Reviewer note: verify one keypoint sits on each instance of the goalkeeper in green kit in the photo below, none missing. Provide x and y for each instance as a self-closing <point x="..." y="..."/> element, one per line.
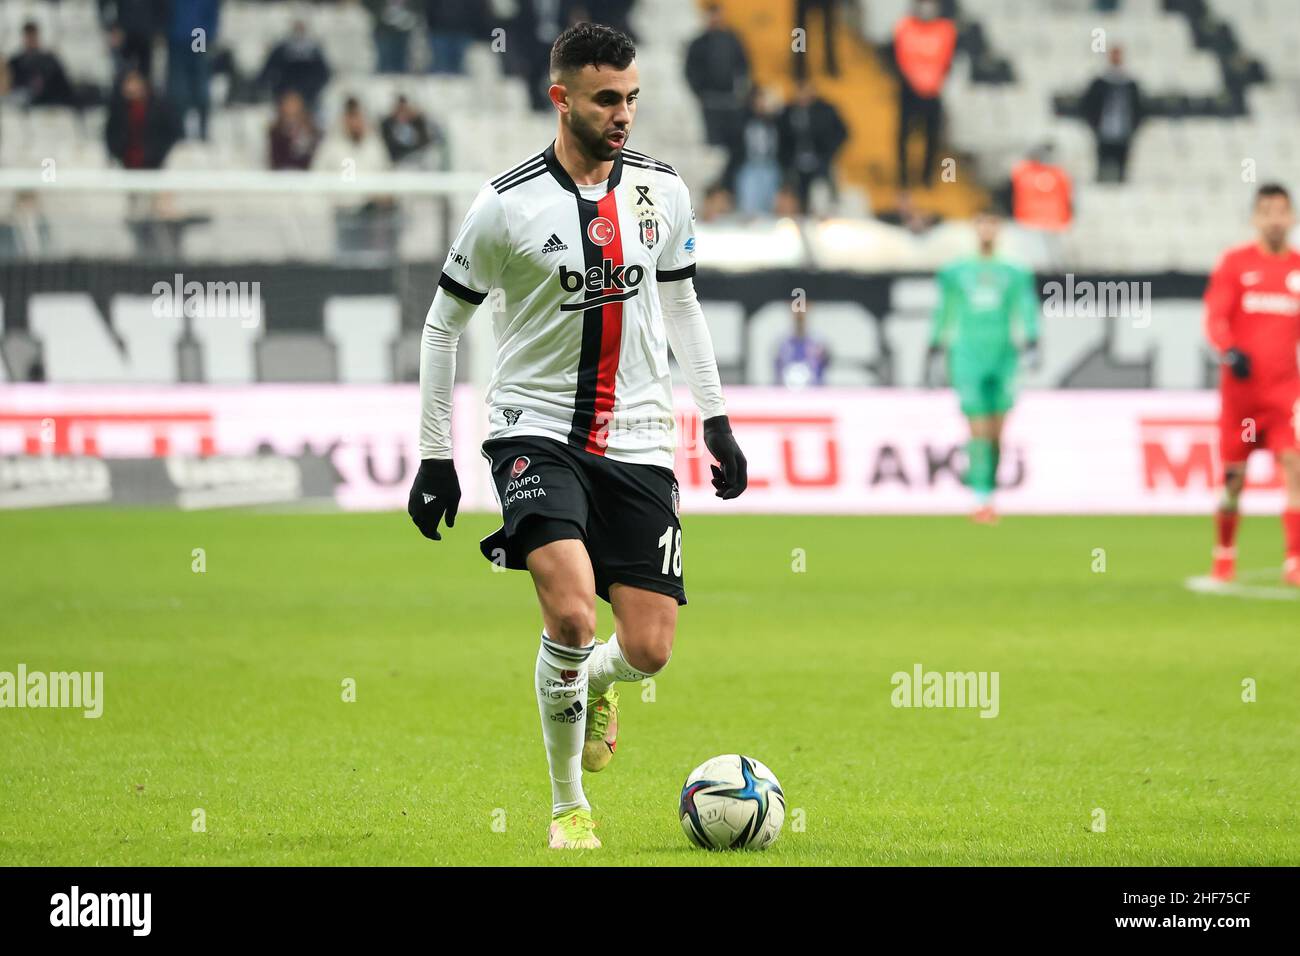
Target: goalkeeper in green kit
<point x="985" y="303"/>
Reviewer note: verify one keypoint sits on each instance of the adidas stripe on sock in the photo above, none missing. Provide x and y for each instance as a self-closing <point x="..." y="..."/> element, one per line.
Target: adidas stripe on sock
<point x="561" y="682"/>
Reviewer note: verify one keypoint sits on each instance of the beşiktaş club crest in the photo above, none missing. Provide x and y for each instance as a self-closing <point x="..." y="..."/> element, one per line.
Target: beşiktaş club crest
<point x="519" y="467"/>
<point x="649" y="229"/>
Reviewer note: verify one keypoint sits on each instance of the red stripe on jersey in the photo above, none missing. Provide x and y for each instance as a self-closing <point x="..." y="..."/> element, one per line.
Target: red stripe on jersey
<point x="611" y="338"/>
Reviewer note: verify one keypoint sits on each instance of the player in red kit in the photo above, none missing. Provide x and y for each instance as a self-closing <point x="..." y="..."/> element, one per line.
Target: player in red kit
<point x="1252" y="318"/>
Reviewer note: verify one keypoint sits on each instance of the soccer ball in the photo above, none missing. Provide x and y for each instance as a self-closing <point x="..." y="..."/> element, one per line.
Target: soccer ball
<point x="732" y="802"/>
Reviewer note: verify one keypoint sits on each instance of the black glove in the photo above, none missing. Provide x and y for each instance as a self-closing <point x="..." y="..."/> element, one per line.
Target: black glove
<point x="1238" y="363"/>
<point x="1033" y="358"/>
<point x="934" y="365"/>
<point x="435" y="492"/>
<point x="729" y="480"/>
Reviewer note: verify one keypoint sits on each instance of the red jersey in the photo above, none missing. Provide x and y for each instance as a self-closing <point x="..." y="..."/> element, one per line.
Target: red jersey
<point x="1253" y="304"/>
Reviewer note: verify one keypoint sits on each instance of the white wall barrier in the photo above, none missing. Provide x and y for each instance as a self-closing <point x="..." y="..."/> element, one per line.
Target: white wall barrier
<point x="829" y="451"/>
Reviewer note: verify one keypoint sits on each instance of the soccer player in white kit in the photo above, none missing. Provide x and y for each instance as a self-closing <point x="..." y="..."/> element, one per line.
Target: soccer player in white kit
<point x="592" y="247"/>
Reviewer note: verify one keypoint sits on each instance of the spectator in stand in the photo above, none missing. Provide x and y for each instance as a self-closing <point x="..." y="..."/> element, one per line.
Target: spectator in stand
<point x="718" y="205"/>
<point x="758" y="163"/>
<point x="717" y="70"/>
<point x="367" y="226"/>
<point x="132" y="25"/>
<point x="809" y="135"/>
<point x="801" y="360"/>
<point x="395" y="22"/>
<point x="612" y="13"/>
<point x="191" y="42"/>
<point x="294" y="135"/>
<point x="411" y="137"/>
<point x="36" y="77"/>
<point x="352" y="141"/>
<point x="827" y="10"/>
<point x="924" y="44"/>
<point x="453" y="26"/>
<point x="296" y="63"/>
<point x="1042" y="196"/>
<point x="1112" y="106"/>
<point x="534" y="28"/>
<point x="142" y="127"/>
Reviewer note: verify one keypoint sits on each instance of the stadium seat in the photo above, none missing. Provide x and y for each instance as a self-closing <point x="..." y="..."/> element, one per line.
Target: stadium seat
<point x="295" y="357"/>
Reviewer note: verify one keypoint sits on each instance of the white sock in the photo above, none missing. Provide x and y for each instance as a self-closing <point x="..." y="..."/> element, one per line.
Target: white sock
<point x="607" y="665"/>
<point x="562" y="701"/>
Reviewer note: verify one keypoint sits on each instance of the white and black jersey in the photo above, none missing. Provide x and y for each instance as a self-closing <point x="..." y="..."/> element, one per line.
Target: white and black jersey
<point x="582" y="353"/>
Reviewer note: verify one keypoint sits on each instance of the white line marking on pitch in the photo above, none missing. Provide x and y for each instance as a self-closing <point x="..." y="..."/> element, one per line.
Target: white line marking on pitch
<point x="1204" y="584"/>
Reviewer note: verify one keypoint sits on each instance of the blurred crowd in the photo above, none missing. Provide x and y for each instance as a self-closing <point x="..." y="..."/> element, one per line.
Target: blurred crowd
<point x="166" y="55"/>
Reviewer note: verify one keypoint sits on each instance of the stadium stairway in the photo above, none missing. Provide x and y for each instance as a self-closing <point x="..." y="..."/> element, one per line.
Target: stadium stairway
<point x="866" y="95"/>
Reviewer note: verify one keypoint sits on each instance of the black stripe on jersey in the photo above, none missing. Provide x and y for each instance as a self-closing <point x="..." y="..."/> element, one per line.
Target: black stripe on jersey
<point x="672" y="275"/>
<point x="530" y="162"/>
<point x="640" y="165"/>
<point x="633" y="155"/>
<point x="519" y="177"/>
<point x="598" y="301"/>
<point x="459" y="291"/>
<point x="584" y="396"/>
<point x="520" y="180"/>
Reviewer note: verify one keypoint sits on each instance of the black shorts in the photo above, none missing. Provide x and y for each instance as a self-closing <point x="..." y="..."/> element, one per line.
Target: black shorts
<point x="625" y="513"/>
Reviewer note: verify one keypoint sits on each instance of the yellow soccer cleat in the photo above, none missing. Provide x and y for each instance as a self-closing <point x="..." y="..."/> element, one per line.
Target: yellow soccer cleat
<point x="573" y="831"/>
<point x="602" y="731"/>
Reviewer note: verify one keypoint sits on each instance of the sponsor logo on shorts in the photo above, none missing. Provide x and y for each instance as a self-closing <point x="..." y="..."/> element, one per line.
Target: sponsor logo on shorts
<point x="677" y="500"/>
<point x="522" y="487"/>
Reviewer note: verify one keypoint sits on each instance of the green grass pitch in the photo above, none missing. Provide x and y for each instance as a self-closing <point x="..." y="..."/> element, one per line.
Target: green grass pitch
<point x="1119" y="691"/>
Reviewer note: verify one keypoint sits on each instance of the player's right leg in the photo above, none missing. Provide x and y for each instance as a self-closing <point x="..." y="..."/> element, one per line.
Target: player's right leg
<point x="1226" y="519"/>
<point x="544" y="513"/>
<point x="1235" y="446"/>
<point x="565" y="585"/>
<point x="981" y="466"/>
<point x="974" y="380"/>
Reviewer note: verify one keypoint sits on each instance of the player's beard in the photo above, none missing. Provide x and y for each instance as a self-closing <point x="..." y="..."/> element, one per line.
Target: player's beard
<point x="591" y="140"/>
<point x="1275" y="239"/>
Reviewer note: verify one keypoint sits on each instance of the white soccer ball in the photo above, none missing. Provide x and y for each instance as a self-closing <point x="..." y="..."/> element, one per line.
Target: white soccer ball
<point x="732" y="802"/>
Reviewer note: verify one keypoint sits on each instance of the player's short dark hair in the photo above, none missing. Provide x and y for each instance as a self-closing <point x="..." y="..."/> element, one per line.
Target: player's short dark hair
<point x="1266" y="190"/>
<point x="591" y="44"/>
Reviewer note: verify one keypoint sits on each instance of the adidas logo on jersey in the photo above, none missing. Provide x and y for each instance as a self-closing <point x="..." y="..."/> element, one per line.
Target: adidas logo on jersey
<point x="570" y="715"/>
<point x="553" y="244"/>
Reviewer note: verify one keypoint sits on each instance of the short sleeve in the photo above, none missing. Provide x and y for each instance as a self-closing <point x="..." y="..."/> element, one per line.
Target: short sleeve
<point x="478" y="253"/>
<point x="677" y="258"/>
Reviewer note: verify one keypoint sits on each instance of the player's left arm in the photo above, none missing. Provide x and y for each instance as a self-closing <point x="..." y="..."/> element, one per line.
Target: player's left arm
<point x="1221" y="295"/>
<point x="939" y="323"/>
<point x="689" y="338"/>
<point x="1027" y="310"/>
